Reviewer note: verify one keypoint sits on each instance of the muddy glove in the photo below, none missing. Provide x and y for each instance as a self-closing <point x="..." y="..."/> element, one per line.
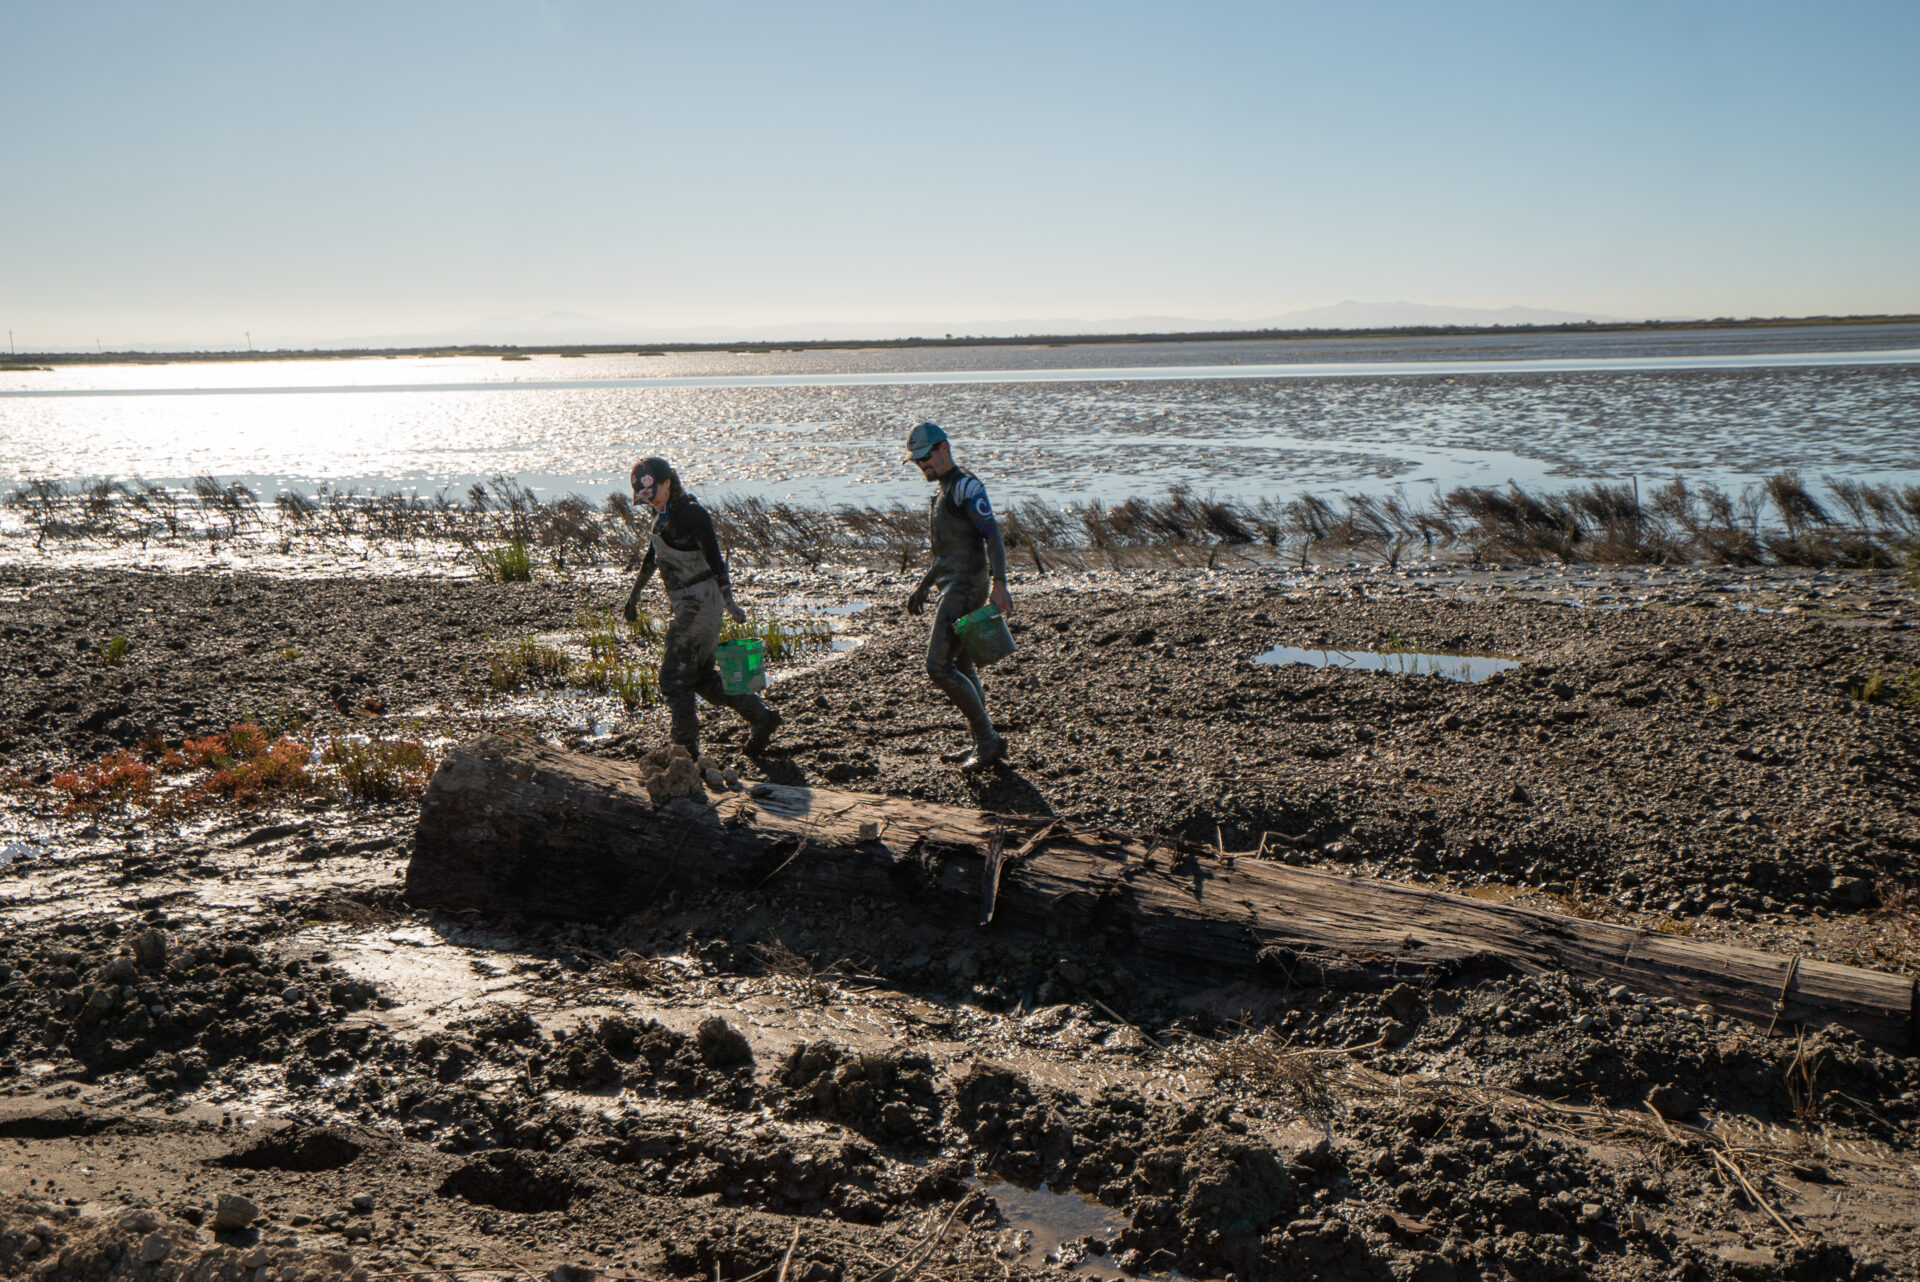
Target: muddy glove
<point x="631" y="611"/>
<point x="734" y="611"/>
<point x="918" y="601"/>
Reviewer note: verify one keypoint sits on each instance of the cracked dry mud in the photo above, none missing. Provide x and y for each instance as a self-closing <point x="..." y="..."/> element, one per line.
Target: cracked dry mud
<point x="235" y="1004"/>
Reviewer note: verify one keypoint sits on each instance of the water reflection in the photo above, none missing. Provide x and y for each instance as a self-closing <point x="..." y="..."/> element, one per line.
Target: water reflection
<point x="1275" y="427"/>
<point x="1044" y="1224"/>
<point x="1454" y="667"/>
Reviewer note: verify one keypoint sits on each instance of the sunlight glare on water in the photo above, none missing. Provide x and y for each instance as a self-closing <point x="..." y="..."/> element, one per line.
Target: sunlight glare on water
<point x="1260" y="419"/>
<point x="1470" y="668"/>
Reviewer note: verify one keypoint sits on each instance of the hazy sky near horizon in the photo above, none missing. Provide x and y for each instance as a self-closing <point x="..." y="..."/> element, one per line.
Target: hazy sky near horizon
<point x="186" y="173"/>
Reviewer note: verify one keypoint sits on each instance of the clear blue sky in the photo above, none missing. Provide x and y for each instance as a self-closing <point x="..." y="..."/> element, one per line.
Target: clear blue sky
<point x="187" y="172"/>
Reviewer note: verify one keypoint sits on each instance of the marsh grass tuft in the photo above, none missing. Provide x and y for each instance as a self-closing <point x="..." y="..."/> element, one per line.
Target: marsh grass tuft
<point x="113" y="651"/>
<point x="612" y="664"/>
<point x="508" y="563"/>
<point x="784" y="638"/>
<point x="1880" y="687"/>
<point x="528" y="662"/>
<point x="1802" y="1073"/>
<point x="376" y="770"/>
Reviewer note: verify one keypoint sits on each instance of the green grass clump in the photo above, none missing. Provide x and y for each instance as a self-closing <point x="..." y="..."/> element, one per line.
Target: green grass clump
<point x="609" y="666"/>
<point x="374" y="770"/>
<point x="527" y="662"/>
<point x="509" y="563"/>
<point x="597" y="632"/>
<point x="1881" y="687"/>
<point x="113" y="651"/>
<point x="636" y="685"/>
<point x="782" y="638"/>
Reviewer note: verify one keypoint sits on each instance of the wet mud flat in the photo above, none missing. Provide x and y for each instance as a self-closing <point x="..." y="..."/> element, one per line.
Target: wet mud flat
<point x="235" y="1003"/>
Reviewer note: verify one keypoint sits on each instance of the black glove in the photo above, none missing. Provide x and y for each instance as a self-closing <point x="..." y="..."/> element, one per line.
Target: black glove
<point x="631" y="611"/>
<point x="918" y="601"/>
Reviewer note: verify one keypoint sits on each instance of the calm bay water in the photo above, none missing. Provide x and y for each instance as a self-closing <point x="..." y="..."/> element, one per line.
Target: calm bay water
<point x="1248" y="419"/>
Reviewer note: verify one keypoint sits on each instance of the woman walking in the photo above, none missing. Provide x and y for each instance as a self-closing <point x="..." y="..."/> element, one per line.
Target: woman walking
<point x="686" y="551"/>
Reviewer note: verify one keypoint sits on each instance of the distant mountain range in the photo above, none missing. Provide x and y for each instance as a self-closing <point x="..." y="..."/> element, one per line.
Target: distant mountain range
<point x="574" y="328"/>
<point x="1352" y="315"/>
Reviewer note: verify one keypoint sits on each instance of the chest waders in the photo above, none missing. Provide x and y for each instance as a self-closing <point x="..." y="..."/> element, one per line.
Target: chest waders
<point x="693" y="629"/>
<point x="960" y="570"/>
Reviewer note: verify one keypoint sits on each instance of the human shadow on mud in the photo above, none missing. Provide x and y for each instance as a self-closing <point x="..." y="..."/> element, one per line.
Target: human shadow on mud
<point x="1007" y="791"/>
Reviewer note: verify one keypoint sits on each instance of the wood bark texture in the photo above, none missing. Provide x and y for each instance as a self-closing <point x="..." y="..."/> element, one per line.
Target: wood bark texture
<point x="513" y="826"/>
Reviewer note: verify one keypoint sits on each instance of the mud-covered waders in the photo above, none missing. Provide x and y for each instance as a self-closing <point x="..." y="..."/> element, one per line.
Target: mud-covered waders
<point x="947" y="660"/>
<point x="960" y="569"/>
<point x="687" y="668"/>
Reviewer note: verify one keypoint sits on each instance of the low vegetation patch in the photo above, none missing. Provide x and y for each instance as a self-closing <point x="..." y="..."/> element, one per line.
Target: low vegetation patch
<point x="528" y="662"/>
<point x="1902" y="689"/>
<point x="782" y="638"/>
<point x="113" y="782"/>
<point x="245" y="766"/>
<point x="372" y="770"/>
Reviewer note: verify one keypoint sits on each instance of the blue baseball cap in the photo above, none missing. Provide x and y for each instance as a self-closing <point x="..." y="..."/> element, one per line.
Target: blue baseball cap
<point x="922" y="440"/>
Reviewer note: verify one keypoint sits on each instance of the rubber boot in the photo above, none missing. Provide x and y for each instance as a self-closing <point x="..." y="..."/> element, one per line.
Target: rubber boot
<point x="763" y="728"/>
<point x="985" y="753"/>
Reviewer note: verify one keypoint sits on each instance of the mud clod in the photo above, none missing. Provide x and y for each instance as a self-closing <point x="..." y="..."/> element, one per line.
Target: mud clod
<point x="721" y="1045"/>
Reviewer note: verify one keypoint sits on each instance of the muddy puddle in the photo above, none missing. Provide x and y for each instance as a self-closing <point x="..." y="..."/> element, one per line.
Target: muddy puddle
<point x="1454" y="667"/>
<point x="1059" y="1227"/>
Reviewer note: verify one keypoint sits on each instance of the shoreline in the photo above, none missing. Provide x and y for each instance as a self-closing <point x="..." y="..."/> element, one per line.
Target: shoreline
<point x="27" y="361"/>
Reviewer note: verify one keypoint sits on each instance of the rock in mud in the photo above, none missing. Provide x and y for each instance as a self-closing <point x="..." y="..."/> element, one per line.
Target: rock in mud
<point x="233" y="1211"/>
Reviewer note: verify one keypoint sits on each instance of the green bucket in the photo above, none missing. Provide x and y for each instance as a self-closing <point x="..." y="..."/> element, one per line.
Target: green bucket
<point x="984" y="633"/>
<point x="743" y="665"/>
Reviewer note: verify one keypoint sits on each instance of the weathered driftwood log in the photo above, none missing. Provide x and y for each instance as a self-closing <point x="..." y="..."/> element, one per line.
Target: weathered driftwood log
<point x="514" y="826"/>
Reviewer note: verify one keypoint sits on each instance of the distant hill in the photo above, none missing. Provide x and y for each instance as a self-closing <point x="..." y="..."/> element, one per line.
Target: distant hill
<point x="1353" y="315"/>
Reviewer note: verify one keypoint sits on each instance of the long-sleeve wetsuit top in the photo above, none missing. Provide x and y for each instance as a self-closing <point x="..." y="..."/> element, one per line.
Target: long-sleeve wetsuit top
<point x="686" y="527"/>
<point x="964" y="527"/>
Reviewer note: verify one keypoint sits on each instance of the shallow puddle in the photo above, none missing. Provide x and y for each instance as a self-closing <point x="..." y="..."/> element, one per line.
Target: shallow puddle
<point x="1454" y="667"/>
<point x="1040" y="1221"/>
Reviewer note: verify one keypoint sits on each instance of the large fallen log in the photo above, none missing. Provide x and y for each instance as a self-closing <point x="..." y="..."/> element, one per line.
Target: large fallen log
<point x="510" y="826"/>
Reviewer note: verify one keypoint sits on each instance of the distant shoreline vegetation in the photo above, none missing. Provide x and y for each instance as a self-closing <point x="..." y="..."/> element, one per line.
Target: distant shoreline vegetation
<point x="1779" y="521"/>
<point x="511" y="351"/>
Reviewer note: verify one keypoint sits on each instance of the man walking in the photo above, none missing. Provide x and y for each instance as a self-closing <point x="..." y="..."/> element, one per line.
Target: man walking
<point x="970" y="568"/>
